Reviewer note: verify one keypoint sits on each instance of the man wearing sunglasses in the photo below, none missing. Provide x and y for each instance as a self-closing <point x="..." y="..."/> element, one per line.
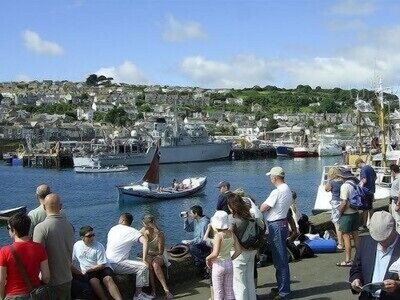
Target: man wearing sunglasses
<point x="91" y="257"/>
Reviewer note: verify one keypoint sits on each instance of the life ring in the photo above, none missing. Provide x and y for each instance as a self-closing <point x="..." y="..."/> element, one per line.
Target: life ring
<point x="178" y="251"/>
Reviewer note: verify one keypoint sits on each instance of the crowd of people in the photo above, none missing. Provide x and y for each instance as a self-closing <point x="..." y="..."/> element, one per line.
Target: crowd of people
<point x="45" y="260"/>
<point x="44" y="257"/>
<point x="377" y="258"/>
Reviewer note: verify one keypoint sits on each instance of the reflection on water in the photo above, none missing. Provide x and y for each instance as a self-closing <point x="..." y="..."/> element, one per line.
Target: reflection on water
<point x="92" y="199"/>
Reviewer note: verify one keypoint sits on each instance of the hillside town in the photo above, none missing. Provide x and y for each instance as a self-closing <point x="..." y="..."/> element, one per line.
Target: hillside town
<point x="80" y="109"/>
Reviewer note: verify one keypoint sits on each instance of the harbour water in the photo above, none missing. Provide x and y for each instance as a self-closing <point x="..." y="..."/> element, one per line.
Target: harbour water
<point x="92" y="199"/>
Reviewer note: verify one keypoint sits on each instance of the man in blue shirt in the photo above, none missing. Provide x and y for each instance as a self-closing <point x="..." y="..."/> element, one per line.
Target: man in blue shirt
<point x="197" y="246"/>
<point x="367" y="180"/>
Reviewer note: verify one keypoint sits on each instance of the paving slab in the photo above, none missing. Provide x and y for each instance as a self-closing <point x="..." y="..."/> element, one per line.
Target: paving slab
<point x="315" y="278"/>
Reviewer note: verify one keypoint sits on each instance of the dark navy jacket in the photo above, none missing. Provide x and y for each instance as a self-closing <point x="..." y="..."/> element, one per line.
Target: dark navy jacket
<point x="223" y="202"/>
<point x="364" y="263"/>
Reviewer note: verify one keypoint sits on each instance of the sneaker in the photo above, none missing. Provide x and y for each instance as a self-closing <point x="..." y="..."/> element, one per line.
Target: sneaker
<point x="142" y="296"/>
<point x="275" y="291"/>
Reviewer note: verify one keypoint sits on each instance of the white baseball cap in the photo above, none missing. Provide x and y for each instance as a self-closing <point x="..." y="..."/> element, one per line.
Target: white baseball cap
<point x="276" y="171"/>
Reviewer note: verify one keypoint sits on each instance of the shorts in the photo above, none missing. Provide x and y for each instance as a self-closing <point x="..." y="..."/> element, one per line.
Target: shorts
<point x="107" y="271"/>
<point x="349" y="223"/>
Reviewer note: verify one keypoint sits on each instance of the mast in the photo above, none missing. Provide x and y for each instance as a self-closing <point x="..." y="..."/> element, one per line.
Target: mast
<point x="358" y="114"/>
<point x="382" y="122"/>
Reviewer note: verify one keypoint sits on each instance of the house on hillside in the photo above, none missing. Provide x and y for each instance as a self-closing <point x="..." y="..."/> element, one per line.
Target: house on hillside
<point x="84" y="114"/>
<point x="235" y="101"/>
<point x="102" y="107"/>
<point x="255" y="108"/>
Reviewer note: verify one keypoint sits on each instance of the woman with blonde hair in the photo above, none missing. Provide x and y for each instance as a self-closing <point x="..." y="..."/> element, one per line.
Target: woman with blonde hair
<point x="333" y="185"/>
<point x="157" y="256"/>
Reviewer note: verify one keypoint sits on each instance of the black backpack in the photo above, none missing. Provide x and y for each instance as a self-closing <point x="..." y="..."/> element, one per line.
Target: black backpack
<point x="254" y="235"/>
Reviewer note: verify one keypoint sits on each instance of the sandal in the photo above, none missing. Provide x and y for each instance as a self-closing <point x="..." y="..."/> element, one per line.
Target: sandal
<point x="344" y="264"/>
<point x="169" y="296"/>
<point x="340" y="247"/>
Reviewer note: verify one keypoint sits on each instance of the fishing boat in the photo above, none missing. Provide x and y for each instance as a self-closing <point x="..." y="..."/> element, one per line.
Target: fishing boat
<point x="149" y="186"/>
<point x="305" y="151"/>
<point x="99" y="169"/>
<point x="7" y="213"/>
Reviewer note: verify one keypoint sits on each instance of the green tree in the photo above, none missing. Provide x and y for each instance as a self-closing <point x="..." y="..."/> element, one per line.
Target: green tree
<point x="328" y="105"/>
<point x="272" y="124"/>
<point x="117" y="116"/>
<point x="92" y="80"/>
<point x="145" y="108"/>
<point x="310" y="123"/>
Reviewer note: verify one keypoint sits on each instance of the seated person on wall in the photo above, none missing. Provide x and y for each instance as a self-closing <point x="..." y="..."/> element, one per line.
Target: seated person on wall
<point x="90" y="256"/>
<point x="198" y="247"/>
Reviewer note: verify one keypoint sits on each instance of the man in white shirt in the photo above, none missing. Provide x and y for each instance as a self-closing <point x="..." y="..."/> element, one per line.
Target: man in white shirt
<point x="89" y="259"/>
<point x="276" y="208"/>
<point x="120" y="240"/>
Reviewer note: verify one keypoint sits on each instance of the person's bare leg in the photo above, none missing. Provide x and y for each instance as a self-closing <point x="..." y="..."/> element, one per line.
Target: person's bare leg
<point x="347" y="246"/>
<point x="112" y="288"/>
<point x="157" y="267"/>
<point x="98" y="289"/>
<point x="339" y="235"/>
<point x="151" y="278"/>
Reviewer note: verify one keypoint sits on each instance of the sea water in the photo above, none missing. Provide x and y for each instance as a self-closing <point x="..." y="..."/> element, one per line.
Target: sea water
<point x="92" y="199"/>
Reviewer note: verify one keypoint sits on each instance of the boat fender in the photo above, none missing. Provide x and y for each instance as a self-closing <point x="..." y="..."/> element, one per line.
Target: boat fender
<point x="178" y="251"/>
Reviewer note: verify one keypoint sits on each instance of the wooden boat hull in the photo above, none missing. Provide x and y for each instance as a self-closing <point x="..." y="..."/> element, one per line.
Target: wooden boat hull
<point x="137" y="191"/>
<point x="7" y="213"/>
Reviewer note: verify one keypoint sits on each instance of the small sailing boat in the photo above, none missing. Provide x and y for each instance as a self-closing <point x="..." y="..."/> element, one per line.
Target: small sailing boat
<point x="149" y="186"/>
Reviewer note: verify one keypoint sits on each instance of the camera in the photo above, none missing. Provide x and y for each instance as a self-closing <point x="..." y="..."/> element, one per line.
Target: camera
<point x="184" y="214"/>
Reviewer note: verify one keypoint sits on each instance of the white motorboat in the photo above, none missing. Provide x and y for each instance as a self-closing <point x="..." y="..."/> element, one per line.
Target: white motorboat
<point x="330" y="149"/>
<point x="99" y="169"/>
<point x="149" y="188"/>
<point x="382" y="190"/>
<point x="329" y="146"/>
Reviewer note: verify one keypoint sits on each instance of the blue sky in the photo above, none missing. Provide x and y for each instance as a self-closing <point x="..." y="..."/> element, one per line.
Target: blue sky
<point x="203" y="43"/>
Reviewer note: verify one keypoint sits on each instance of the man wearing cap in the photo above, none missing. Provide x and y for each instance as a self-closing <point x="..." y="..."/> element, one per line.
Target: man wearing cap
<point x="276" y="208"/>
<point x="374" y="256"/>
<point x="349" y="217"/>
<point x="224" y="189"/>
<point x="367" y="180"/>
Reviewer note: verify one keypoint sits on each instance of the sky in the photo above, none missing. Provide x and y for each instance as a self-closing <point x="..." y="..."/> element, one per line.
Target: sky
<point x="205" y="43"/>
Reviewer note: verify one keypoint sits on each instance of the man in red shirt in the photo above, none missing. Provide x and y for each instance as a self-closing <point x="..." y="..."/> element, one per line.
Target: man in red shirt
<point x="32" y="255"/>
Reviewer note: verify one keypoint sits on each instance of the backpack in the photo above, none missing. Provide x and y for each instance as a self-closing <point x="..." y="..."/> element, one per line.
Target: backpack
<point x="359" y="197"/>
<point x="253" y="236"/>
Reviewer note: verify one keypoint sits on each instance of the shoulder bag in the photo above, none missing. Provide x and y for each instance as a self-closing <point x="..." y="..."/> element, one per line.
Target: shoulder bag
<point x="39" y="293"/>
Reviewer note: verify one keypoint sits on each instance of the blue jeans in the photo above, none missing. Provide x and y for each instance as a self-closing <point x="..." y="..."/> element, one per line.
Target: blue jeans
<point x="278" y="233"/>
<point x="199" y="252"/>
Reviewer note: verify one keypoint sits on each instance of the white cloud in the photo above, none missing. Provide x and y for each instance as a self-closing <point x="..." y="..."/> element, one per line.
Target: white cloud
<point x="177" y="31"/>
<point x="34" y="42"/>
<point x="242" y="70"/>
<point x="23" y="77"/>
<point x="127" y="72"/>
<point x="353" y="8"/>
<point x="354" y="66"/>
